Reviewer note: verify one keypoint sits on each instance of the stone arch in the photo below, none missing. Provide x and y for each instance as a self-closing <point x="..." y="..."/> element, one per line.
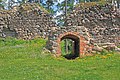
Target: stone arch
<point x="75" y="36"/>
<point x="54" y="40"/>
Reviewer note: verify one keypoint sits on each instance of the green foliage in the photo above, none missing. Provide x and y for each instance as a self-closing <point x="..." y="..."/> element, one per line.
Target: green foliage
<point x="102" y="2"/>
<point x="65" y="7"/>
<point x="13" y="41"/>
<point x="105" y="52"/>
<point x="119" y="46"/>
<point x="49" y="5"/>
<point x="2" y="3"/>
<point x="63" y="47"/>
<point x="10" y="42"/>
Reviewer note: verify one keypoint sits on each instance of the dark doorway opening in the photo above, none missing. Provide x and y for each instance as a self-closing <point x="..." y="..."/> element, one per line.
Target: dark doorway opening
<point x="70" y="47"/>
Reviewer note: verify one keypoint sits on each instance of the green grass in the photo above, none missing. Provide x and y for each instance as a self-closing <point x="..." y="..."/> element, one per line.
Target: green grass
<point x="24" y="60"/>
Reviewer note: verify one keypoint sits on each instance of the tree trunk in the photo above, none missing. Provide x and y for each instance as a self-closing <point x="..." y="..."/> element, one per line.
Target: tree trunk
<point x="39" y="1"/>
<point x="65" y="9"/>
<point x="66" y="42"/>
<point x="118" y="4"/>
<point x="66" y="46"/>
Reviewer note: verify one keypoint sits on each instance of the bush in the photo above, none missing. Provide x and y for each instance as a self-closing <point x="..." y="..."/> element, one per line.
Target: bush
<point x="9" y="41"/>
<point x="105" y="52"/>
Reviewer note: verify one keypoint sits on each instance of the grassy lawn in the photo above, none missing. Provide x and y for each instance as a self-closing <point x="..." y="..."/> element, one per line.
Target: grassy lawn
<point x="24" y="60"/>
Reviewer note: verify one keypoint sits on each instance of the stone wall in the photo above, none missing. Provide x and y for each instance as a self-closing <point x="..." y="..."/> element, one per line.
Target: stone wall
<point x="26" y="21"/>
<point x="102" y="22"/>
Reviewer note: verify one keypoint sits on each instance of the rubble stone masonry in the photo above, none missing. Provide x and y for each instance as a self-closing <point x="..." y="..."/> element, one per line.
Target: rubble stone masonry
<point x="28" y="21"/>
<point x="101" y="21"/>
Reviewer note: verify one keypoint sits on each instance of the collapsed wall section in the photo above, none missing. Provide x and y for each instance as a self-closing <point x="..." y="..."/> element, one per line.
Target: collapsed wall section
<point x="26" y="21"/>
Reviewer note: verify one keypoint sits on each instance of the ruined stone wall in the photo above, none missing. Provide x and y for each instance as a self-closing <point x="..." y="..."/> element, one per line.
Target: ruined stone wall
<point x="26" y="21"/>
<point x="102" y="22"/>
<point x="58" y="33"/>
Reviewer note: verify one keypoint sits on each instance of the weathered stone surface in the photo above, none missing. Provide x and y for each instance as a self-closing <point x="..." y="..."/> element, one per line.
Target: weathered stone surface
<point x="117" y="49"/>
<point x="97" y="48"/>
<point x="102" y="22"/>
<point x="25" y="22"/>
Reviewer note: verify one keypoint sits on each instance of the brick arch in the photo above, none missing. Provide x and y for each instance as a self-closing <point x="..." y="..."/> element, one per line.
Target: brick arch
<point x="75" y="36"/>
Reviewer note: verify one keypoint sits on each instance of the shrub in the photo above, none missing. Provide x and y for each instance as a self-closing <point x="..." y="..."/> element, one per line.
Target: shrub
<point x="105" y="52"/>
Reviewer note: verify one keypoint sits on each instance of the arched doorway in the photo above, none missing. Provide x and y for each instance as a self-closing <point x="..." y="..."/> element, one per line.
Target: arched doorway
<point x="75" y="37"/>
<point x="72" y="46"/>
<point x="80" y="43"/>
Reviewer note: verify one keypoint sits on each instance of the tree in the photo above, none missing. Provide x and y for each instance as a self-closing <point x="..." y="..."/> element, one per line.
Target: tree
<point x="3" y="3"/>
<point x="37" y="1"/>
<point x="118" y="3"/>
<point x="65" y="7"/>
<point x="49" y="3"/>
<point x="115" y="2"/>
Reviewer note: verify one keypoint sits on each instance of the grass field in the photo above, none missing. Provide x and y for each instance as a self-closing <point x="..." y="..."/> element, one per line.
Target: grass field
<point x="24" y="60"/>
